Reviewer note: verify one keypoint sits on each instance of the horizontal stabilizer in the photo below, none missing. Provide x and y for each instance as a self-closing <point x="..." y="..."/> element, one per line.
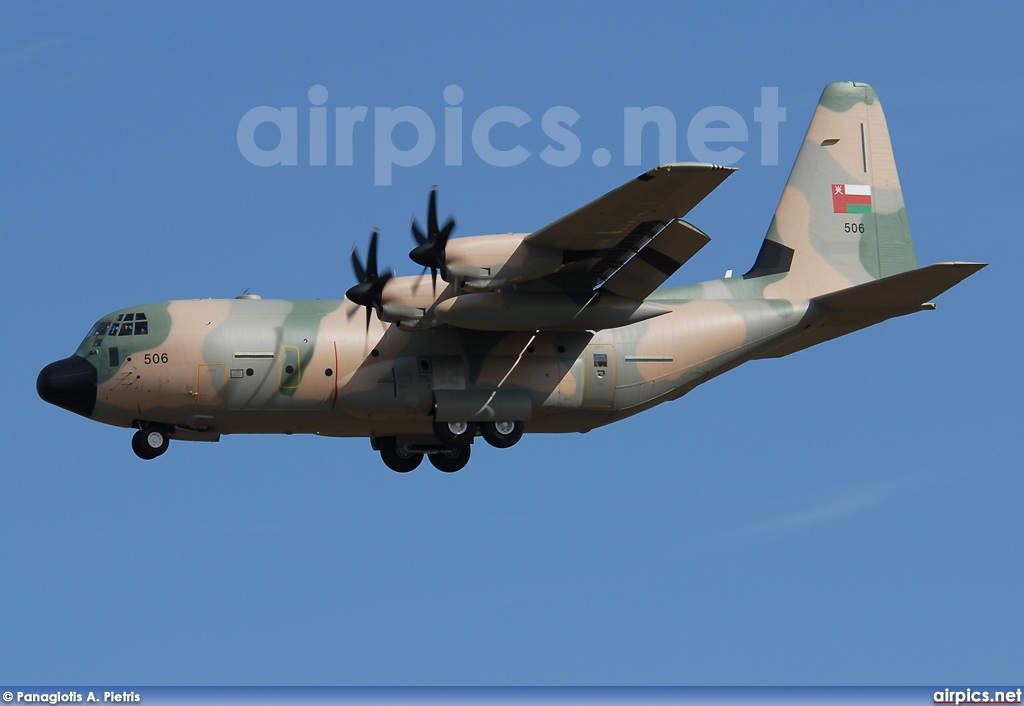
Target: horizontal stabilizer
<point x="839" y="313"/>
<point x="905" y="290"/>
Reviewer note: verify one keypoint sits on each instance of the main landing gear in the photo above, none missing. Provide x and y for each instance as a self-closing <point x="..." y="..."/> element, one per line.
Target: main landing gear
<point x="451" y="450"/>
<point x="451" y="460"/>
<point x="502" y="435"/>
<point x="150" y="441"/>
<point x="402" y="457"/>
<point x="455" y="433"/>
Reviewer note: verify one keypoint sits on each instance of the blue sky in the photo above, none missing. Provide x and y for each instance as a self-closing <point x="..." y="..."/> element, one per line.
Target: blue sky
<point x="847" y="515"/>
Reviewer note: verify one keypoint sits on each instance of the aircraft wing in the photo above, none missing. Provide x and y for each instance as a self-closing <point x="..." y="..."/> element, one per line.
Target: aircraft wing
<point x="631" y="238"/>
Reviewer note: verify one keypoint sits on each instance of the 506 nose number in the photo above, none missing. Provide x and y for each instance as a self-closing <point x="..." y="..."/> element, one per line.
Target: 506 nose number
<point x="154" y="358"/>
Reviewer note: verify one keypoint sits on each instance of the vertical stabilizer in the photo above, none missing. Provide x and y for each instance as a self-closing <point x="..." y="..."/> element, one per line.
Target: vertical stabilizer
<point x="841" y="220"/>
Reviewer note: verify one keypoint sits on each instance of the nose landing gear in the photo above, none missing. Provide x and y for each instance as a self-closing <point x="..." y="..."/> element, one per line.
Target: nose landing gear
<point x="150" y="441"/>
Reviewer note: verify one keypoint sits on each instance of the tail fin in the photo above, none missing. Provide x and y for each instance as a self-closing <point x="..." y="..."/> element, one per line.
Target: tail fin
<point x="841" y="220"/>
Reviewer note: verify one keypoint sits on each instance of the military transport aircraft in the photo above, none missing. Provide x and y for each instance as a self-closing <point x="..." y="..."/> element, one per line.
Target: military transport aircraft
<point x="559" y="330"/>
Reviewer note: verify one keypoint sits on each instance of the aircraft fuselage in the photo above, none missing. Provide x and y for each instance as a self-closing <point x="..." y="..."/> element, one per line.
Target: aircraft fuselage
<point x="236" y="366"/>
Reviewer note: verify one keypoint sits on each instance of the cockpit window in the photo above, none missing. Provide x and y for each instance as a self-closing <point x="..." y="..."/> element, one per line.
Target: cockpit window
<point x="96" y="334"/>
<point x="130" y="324"/>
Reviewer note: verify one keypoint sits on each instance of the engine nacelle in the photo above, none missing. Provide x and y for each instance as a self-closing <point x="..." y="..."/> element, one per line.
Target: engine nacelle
<point x="486" y="262"/>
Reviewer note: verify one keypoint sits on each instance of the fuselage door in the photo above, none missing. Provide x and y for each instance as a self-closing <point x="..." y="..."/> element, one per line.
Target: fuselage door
<point x="211" y="385"/>
<point x="599" y="388"/>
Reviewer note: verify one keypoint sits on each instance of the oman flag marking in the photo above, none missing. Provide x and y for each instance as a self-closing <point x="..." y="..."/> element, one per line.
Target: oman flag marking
<point x="851" y="198"/>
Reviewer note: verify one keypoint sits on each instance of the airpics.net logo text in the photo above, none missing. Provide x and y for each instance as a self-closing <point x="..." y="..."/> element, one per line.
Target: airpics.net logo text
<point x="269" y="136"/>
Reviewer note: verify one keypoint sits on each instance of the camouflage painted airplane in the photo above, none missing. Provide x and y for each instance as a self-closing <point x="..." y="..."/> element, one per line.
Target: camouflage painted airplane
<point x="559" y="330"/>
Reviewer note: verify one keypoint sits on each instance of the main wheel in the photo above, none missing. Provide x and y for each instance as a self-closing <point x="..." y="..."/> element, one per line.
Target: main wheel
<point x="451" y="460"/>
<point x="455" y="433"/>
<point x="397" y="457"/>
<point x="149" y="442"/>
<point x="501" y="435"/>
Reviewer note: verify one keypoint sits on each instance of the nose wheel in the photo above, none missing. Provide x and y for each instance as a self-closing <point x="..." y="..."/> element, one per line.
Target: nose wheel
<point x="150" y="442"/>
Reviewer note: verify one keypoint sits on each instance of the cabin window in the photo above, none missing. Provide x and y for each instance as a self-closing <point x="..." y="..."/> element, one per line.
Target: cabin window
<point x="600" y="360"/>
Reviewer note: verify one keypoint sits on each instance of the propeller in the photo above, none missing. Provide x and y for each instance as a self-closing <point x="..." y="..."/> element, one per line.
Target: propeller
<point x="429" y="250"/>
<point x="369" y="290"/>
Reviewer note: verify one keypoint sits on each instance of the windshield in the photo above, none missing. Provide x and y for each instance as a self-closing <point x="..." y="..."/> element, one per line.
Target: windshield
<point x="131" y="324"/>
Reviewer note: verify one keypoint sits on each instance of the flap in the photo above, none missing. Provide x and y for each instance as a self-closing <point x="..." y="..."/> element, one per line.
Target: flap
<point x="656" y="262"/>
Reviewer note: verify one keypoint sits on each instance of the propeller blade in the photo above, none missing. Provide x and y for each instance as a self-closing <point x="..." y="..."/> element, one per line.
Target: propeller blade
<point x="417" y="234"/>
<point x="430" y="246"/>
<point x="445" y="232"/>
<point x="432" y="212"/>
<point x="357" y="266"/>
<point x="371" y="258"/>
<point x="368" y="291"/>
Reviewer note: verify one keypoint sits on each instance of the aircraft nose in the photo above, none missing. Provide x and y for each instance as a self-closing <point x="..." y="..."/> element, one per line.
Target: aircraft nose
<point x="70" y="384"/>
